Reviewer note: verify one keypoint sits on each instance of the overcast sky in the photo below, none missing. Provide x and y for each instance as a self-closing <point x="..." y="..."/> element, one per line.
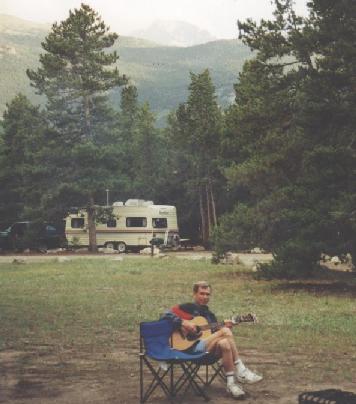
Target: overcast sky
<point x="124" y="16"/>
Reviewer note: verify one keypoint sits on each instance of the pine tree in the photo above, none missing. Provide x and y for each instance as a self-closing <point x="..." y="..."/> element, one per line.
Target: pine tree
<point x="143" y="146"/>
<point x="76" y="73"/>
<point x="128" y="121"/>
<point x="195" y="133"/>
<point x="129" y="109"/>
<point x="293" y="130"/>
<point x="20" y="165"/>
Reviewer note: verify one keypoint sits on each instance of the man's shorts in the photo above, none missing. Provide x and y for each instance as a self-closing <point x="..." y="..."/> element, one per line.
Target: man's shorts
<point x="200" y="347"/>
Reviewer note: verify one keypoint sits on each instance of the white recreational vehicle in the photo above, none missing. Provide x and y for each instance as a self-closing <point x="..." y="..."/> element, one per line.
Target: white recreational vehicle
<point x="135" y="223"/>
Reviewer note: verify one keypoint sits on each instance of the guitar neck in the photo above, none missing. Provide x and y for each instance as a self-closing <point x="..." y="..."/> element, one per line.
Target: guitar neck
<point x="236" y="321"/>
<point x="211" y="325"/>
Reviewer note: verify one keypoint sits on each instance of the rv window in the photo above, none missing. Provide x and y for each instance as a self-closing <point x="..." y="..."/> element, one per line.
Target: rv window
<point x="77" y="223"/>
<point x="111" y="223"/>
<point x="159" y="223"/>
<point x="136" y="222"/>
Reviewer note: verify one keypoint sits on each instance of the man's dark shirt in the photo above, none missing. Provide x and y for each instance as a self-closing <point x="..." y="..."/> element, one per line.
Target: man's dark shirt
<point x="187" y="311"/>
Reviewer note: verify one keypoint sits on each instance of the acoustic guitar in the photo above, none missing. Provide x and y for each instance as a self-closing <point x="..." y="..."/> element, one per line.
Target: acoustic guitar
<point x="182" y="341"/>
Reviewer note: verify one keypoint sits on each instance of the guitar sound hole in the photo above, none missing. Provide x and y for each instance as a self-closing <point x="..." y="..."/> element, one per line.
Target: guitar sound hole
<point x="194" y="336"/>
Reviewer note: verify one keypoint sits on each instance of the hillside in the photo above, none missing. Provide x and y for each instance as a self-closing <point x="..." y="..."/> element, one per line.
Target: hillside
<point x="161" y="73"/>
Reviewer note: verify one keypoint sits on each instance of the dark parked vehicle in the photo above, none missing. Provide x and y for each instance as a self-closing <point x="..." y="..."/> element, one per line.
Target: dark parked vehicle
<point x="32" y="235"/>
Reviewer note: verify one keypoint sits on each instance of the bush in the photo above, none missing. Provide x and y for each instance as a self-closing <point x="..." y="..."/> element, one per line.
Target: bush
<point x="235" y="231"/>
<point x="293" y="259"/>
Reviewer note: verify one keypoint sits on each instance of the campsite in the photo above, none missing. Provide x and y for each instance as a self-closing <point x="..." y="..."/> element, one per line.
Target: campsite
<point x="177" y="198"/>
<point x="70" y="329"/>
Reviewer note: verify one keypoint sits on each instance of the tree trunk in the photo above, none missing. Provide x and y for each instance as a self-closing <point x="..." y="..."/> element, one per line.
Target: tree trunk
<point x="213" y="206"/>
<point x="204" y="234"/>
<point x="208" y="209"/>
<point x="87" y="116"/>
<point x="92" y="226"/>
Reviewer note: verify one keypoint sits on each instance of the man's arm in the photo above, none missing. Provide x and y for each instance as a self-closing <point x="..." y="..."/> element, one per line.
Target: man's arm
<point x="180" y="319"/>
<point x="170" y="316"/>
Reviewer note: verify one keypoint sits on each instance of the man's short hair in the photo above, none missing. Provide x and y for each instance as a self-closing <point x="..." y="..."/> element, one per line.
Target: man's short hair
<point x="200" y="284"/>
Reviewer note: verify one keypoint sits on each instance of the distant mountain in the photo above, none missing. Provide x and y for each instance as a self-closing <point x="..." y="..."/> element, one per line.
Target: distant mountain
<point x="160" y="73"/>
<point x="174" y="33"/>
<point x="16" y="26"/>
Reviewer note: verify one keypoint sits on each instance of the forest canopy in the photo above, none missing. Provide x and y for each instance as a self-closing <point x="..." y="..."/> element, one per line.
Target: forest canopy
<point x="276" y="169"/>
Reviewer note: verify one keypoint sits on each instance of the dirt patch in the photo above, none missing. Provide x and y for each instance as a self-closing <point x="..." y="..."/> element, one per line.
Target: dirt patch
<point x="57" y="375"/>
<point x="48" y="375"/>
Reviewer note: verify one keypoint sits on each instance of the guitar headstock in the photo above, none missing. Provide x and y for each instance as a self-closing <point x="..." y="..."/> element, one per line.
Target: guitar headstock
<point x="246" y="318"/>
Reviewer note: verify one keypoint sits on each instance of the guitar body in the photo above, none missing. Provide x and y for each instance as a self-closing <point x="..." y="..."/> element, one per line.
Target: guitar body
<point x="182" y="342"/>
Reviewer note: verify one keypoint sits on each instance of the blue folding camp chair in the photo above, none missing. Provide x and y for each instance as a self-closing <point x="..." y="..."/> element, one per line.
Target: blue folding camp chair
<point x="161" y="359"/>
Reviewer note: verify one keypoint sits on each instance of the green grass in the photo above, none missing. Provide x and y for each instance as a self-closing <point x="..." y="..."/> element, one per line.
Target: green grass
<point x="88" y="303"/>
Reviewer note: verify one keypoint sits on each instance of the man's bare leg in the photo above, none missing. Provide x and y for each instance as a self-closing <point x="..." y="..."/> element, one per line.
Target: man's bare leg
<point x="222" y="344"/>
<point x="222" y="333"/>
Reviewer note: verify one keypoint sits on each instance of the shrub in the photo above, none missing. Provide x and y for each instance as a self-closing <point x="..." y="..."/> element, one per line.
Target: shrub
<point x="293" y="259"/>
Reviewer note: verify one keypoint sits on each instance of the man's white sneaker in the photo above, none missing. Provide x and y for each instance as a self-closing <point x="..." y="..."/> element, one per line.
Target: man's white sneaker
<point x="246" y="376"/>
<point x="234" y="390"/>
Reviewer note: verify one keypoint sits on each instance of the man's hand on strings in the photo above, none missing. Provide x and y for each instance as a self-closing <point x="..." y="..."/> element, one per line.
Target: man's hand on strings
<point x="188" y="327"/>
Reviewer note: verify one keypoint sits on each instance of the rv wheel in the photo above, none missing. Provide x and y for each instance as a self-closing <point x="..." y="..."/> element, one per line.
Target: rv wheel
<point x="121" y="247"/>
<point x="111" y="245"/>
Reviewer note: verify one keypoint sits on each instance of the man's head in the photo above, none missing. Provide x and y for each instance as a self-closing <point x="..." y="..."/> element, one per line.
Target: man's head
<point x="201" y="292"/>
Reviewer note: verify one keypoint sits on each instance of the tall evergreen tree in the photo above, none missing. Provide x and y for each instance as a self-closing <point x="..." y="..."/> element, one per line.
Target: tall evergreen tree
<point x="76" y="73"/>
<point x="143" y="146"/>
<point x="294" y="129"/>
<point x="195" y="133"/>
<point x="147" y="154"/>
<point x="129" y="109"/>
<point x="20" y="165"/>
<point x="128" y="122"/>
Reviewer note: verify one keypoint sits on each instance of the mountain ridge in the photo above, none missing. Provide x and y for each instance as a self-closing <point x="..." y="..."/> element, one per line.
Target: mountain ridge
<point x="160" y="73"/>
<point x="12" y="23"/>
<point x="174" y="33"/>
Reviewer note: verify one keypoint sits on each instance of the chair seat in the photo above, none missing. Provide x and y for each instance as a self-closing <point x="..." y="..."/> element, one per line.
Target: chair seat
<point x="170" y="354"/>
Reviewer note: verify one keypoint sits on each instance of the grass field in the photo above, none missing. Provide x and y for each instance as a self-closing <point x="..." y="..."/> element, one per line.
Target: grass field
<point x="87" y="306"/>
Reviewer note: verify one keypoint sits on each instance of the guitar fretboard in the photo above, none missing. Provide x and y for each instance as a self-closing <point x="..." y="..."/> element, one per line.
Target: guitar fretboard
<point x="235" y="321"/>
<point x="211" y="325"/>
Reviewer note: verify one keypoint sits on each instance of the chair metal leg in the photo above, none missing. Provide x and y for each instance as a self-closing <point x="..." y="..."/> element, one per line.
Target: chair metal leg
<point x="179" y="383"/>
<point x="218" y="371"/>
<point x="141" y="377"/>
<point x="191" y="371"/>
<point x="156" y="381"/>
<point x="206" y="375"/>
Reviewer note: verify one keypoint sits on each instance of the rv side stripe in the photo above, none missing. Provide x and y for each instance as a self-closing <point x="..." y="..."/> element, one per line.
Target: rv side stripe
<point x="82" y="231"/>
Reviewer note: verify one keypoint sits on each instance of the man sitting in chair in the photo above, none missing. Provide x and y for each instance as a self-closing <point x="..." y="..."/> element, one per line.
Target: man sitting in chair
<point x="220" y="342"/>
